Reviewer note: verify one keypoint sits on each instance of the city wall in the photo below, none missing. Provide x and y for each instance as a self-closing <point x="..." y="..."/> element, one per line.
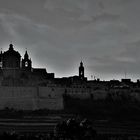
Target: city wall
<point x="31" y="98"/>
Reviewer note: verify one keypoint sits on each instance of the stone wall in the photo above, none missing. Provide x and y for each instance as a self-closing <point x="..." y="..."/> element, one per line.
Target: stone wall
<point x="50" y="97"/>
<point x="31" y="98"/>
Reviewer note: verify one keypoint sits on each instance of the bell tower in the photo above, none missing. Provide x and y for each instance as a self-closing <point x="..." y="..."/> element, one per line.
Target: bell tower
<point x="81" y="71"/>
<point x="26" y="62"/>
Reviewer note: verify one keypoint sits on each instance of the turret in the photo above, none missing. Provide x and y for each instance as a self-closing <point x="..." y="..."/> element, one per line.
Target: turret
<point x="81" y="71"/>
<point x="26" y="62"/>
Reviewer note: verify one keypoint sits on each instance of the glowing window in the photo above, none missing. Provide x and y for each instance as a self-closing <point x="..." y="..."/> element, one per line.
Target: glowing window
<point x="26" y="64"/>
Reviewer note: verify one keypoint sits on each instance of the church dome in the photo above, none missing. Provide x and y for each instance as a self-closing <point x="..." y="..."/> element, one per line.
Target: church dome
<point x="11" y="58"/>
<point x="11" y="51"/>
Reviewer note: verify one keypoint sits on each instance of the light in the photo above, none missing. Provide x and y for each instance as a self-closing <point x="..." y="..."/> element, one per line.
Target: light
<point x="26" y="64"/>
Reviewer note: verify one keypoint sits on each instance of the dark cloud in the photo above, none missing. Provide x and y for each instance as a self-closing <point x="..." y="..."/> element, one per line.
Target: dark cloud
<point x="59" y="33"/>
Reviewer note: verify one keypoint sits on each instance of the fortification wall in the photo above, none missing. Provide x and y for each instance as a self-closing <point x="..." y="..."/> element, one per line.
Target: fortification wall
<point x="50" y="97"/>
<point x="31" y="98"/>
<point x="79" y="95"/>
<point x="99" y="94"/>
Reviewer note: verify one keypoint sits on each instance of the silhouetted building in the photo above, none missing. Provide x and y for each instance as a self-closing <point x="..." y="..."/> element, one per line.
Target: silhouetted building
<point x="11" y="59"/>
<point x="26" y="62"/>
<point x="17" y="72"/>
<point x="81" y="71"/>
<point x="25" y="87"/>
<point x="126" y="81"/>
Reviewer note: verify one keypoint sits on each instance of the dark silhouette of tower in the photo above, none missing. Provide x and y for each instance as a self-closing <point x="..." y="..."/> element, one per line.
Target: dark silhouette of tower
<point x="26" y="62"/>
<point x="81" y="71"/>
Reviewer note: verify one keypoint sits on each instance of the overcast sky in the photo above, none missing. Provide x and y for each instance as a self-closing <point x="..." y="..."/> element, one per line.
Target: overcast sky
<point x="58" y="34"/>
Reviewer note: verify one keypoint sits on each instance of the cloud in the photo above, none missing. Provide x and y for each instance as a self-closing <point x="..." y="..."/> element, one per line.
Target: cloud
<point x="59" y="33"/>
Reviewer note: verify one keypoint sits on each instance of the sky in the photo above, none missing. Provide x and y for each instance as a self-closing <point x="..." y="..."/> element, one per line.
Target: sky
<point x="58" y="34"/>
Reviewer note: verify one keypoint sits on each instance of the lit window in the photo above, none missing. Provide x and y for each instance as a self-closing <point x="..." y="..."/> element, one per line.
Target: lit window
<point x="26" y="64"/>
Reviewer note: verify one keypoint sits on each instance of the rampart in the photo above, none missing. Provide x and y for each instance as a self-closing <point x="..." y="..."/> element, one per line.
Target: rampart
<point x="31" y="98"/>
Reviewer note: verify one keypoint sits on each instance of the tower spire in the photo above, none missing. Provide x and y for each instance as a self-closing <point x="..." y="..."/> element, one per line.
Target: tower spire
<point x="26" y="56"/>
<point x="81" y="63"/>
<point x="26" y="62"/>
<point x="81" y="71"/>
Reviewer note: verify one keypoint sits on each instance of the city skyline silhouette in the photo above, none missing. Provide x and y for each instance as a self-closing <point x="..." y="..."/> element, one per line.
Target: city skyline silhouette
<point x="58" y="34"/>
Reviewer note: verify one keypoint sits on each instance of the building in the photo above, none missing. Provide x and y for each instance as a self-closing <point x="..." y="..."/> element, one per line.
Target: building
<point x="24" y="87"/>
<point x="19" y="72"/>
<point x="27" y="88"/>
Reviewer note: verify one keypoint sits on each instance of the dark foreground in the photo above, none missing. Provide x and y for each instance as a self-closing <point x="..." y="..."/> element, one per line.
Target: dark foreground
<point x="42" y="128"/>
<point x="113" y="120"/>
<point x="15" y="136"/>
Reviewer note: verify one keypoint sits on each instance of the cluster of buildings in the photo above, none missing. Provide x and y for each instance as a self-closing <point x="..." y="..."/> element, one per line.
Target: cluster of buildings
<point x="15" y="71"/>
<point x="25" y="87"/>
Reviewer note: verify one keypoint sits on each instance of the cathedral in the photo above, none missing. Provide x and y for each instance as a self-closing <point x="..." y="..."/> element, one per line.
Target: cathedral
<point x="17" y="71"/>
<point x="23" y="87"/>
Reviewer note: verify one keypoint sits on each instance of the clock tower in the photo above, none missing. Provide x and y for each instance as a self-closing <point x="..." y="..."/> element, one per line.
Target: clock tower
<point x="81" y="71"/>
<point x="26" y="62"/>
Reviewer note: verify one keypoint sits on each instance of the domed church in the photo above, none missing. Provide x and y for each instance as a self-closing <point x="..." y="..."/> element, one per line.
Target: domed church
<point x="23" y="87"/>
<point x="17" y="71"/>
<point x="10" y="58"/>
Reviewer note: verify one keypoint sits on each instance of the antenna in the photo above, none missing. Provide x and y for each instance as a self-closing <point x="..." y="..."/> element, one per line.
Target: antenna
<point x="91" y="77"/>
